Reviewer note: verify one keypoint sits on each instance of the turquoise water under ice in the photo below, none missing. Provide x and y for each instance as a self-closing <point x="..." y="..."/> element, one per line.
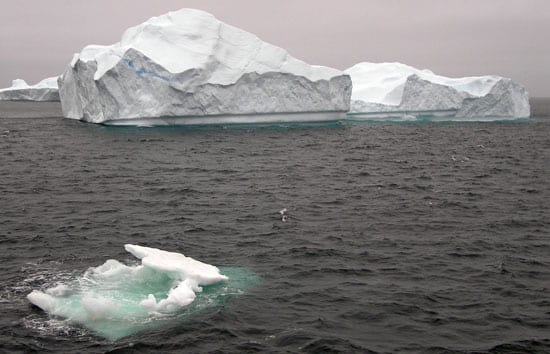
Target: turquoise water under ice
<point x="109" y="305"/>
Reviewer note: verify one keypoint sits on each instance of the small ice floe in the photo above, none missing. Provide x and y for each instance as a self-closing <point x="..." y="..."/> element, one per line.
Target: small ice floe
<point x="115" y="300"/>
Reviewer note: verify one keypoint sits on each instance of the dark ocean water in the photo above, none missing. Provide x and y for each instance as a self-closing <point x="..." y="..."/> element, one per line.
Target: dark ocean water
<point x="417" y="237"/>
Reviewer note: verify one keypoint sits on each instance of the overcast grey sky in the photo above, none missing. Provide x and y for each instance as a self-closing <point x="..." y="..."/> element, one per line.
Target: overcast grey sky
<point x="451" y="37"/>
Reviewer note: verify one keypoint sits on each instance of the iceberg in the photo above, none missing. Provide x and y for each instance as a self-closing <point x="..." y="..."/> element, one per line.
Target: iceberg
<point x="188" y="67"/>
<point x="115" y="300"/>
<point x="45" y="90"/>
<point x="394" y="90"/>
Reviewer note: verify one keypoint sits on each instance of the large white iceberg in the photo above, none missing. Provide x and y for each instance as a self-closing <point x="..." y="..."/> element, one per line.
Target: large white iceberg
<point x="45" y="90"/>
<point x="187" y="67"/>
<point x="382" y="90"/>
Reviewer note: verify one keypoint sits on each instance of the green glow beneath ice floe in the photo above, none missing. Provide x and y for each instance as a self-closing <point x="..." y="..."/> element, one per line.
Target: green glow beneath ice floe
<point x="110" y="306"/>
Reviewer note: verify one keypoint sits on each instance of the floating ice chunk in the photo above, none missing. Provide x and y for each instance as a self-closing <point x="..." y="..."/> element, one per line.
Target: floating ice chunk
<point x="177" y="264"/>
<point x="112" y="268"/>
<point x="181" y="295"/>
<point x="59" y="290"/>
<point x="382" y="90"/>
<point x="43" y="300"/>
<point x="116" y="300"/>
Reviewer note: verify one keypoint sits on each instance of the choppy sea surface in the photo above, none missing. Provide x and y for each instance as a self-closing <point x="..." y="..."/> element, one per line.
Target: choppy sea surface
<point x="401" y="238"/>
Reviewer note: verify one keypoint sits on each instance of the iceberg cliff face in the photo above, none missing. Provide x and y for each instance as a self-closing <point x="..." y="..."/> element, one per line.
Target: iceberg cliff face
<point x="187" y="66"/>
<point x="45" y="90"/>
<point x="398" y="90"/>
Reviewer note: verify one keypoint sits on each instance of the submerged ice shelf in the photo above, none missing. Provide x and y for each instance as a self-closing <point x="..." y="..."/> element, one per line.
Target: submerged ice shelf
<point x="116" y="300"/>
<point x="189" y="65"/>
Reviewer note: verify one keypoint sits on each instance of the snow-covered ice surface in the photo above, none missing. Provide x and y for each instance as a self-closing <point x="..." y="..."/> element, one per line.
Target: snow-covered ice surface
<point x="399" y="91"/>
<point x="115" y="300"/>
<point x="45" y="90"/>
<point x="187" y="63"/>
